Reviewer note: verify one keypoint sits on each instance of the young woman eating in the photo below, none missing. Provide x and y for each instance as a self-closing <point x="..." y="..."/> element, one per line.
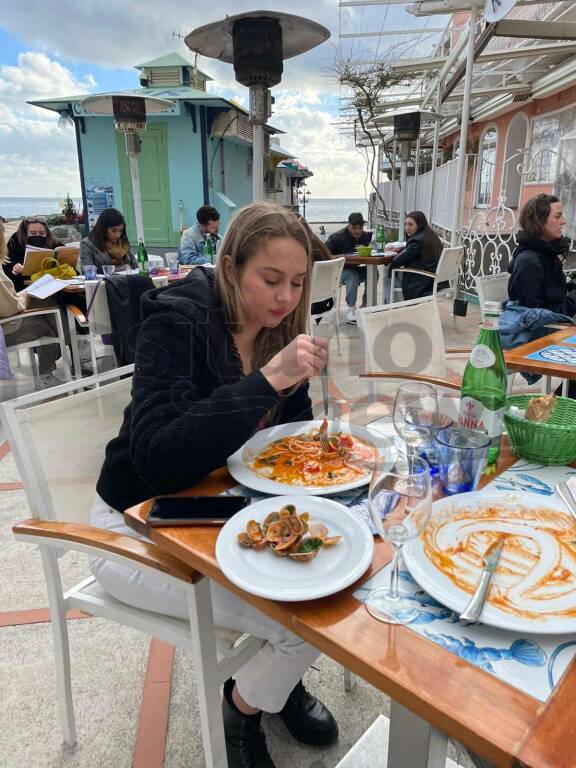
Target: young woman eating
<point x="423" y="249"/>
<point x="220" y="355"/>
<point x="107" y="243"/>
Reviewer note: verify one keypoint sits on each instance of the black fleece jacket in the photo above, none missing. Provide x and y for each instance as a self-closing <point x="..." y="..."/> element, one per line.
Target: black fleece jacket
<point x="191" y="407"/>
<point x="536" y="276"/>
<point x="416" y="286"/>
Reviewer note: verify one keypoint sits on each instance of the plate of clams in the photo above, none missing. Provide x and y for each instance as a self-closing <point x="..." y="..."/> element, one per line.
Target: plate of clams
<point x="293" y="548"/>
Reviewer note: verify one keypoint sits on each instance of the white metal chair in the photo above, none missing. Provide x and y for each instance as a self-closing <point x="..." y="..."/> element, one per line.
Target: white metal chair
<point x="58" y="440"/>
<point x="42" y="340"/>
<point x="97" y="321"/>
<point x="446" y="271"/>
<point x="325" y="285"/>
<point x="403" y="340"/>
<point x="492" y="287"/>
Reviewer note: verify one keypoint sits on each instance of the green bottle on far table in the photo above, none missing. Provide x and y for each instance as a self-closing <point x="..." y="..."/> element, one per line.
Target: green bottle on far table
<point x="142" y="259"/>
<point x="484" y="383"/>
<point x="209" y="250"/>
<point x="380" y="237"/>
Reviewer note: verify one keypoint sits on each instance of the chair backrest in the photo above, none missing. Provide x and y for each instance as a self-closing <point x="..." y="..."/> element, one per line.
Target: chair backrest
<point x="58" y="437"/>
<point x="325" y="279"/>
<point x="492" y="287"/>
<point x="449" y="263"/>
<point x="99" y="316"/>
<point x="404" y="337"/>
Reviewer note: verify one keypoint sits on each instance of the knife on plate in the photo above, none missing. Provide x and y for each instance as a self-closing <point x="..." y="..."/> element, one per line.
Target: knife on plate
<point x="491" y="556"/>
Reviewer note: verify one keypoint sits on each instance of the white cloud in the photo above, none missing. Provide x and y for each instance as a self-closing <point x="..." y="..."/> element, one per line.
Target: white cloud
<point x="338" y="169"/>
<point x="38" y="158"/>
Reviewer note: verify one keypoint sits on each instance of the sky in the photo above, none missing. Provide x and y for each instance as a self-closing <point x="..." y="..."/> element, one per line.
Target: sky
<point x="92" y="46"/>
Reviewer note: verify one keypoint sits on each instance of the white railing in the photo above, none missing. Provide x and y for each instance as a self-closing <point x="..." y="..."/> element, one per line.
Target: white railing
<point x="441" y="212"/>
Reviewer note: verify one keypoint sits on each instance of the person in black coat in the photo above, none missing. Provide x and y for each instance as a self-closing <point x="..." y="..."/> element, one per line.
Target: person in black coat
<point x="344" y="242"/>
<point x="33" y="230"/>
<point x="423" y="250"/>
<point x="536" y="276"/>
<point x="220" y="355"/>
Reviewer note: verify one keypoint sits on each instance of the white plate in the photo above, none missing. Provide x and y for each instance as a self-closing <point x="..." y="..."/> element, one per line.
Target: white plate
<point x="547" y="556"/>
<point x="240" y="471"/>
<point x="265" y="574"/>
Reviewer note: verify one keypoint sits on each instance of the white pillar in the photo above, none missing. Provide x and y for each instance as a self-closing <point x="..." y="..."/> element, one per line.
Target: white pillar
<point x="404" y="155"/>
<point x="257" y="163"/>
<point x="462" y="158"/>
<point x="135" y="176"/>
<point x="416" y="175"/>
<point x="435" y="154"/>
<point x="393" y="178"/>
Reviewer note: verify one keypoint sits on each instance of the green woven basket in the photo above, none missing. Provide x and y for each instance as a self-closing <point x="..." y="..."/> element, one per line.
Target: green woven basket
<point x="550" y="442"/>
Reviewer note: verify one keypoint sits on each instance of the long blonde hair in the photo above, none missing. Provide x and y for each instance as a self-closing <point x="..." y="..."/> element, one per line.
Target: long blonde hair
<point x="3" y="249"/>
<point x="250" y="229"/>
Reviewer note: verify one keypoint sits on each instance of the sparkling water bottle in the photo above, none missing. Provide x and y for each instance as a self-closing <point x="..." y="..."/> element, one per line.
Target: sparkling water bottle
<point x="483" y="392"/>
<point x="209" y="250"/>
<point x="142" y="259"/>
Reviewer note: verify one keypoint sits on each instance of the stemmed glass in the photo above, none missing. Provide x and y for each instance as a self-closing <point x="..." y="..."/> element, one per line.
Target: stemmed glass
<point x="400" y="503"/>
<point x="415" y="414"/>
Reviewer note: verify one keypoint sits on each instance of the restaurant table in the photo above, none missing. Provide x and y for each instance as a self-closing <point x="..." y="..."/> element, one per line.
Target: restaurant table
<point x="528" y="357"/>
<point x="371" y="263"/>
<point x="435" y="694"/>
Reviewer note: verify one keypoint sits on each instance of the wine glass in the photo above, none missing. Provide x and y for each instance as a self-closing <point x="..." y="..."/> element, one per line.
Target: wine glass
<point x="415" y="414"/>
<point x="400" y="503"/>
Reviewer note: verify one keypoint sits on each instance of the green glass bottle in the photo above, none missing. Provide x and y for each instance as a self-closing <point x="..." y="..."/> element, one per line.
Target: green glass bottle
<point x="483" y="392"/>
<point x="142" y="259"/>
<point x="209" y="250"/>
<point x="380" y="237"/>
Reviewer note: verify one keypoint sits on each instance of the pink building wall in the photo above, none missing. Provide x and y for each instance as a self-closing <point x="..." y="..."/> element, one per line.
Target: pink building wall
<point x="532" y="109"/>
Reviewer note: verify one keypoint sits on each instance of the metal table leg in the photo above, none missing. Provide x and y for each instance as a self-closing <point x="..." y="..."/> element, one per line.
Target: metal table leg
<point x="371" y="285"/>
<point x="414" y="742"/>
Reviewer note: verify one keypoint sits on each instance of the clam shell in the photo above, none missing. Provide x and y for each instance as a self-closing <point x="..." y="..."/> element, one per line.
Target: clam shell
<point x="244" y="540"/>
<point x="254" y="530"/>
<point x="273" y="517"/>
<point x="318" y="531"/>
<point x="331" y="540"/>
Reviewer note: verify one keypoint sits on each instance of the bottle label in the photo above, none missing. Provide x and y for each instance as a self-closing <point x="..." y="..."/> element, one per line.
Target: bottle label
<point x="474" y="415"/>
<point x="482" y="356"/>
<point x="491" y="323"/>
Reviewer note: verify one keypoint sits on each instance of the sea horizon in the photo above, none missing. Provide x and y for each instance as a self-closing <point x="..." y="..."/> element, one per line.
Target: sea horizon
<point x="318" y="209"/>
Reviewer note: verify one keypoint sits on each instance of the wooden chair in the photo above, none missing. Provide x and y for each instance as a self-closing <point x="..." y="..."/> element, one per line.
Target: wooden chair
<point x="446" y="271"/>
<point x="405" y="338"/>
<point x="42" y="340"/>
<point x="325" y="285"/>
<point x="96" y="321"/>
<point x="492" y="287"/>
<point x="58" y="440"/>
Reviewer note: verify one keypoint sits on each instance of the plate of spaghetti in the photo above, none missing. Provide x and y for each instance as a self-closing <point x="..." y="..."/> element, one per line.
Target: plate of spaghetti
<point x="292" y="458"/>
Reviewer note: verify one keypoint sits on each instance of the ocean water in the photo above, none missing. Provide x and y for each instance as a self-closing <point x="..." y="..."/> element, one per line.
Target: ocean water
<point x="321" y="209"/>
<point x="13" y="207"/>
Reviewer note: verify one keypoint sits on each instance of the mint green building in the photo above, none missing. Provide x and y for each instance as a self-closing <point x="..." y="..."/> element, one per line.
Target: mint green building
<point x="199" y="153"/>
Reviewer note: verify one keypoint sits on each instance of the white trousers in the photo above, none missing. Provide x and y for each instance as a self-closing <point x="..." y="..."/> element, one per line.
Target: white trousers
<point x="267" y="679"/>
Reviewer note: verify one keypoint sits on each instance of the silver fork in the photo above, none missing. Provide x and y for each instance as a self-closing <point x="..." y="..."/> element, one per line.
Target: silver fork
<point x="324" y="381"/>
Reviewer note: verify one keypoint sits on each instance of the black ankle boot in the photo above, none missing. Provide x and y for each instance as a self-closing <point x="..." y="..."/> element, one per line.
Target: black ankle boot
<point x="245" y="739"/>
<point x="308" y="720"/>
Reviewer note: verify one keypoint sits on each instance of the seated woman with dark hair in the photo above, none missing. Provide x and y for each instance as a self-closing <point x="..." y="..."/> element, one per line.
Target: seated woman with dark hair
<point x="423" y="250"/>
<point x="536" y="276"/>
<point x="107" y="243"/>
<point x="33" y="230"/>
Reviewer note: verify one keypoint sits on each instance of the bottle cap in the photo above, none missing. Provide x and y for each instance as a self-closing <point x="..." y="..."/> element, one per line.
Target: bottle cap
<point x="492" y="307"/>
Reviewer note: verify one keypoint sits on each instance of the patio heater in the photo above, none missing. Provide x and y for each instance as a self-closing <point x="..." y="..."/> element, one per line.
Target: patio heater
<point x="130" y="111"/>
<point x="406" y="130"/>
<point x="257" y="43"/>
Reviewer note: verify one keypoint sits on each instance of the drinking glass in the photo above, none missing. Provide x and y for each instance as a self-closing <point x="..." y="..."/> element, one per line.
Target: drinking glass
<point x="172" y="261"/>
<point x="90" y="272"/>
<point x="400" y="502"/>
<point x="415" y="414"/>
<point x="461" y="456"/>
<point x="108" y="269"/>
